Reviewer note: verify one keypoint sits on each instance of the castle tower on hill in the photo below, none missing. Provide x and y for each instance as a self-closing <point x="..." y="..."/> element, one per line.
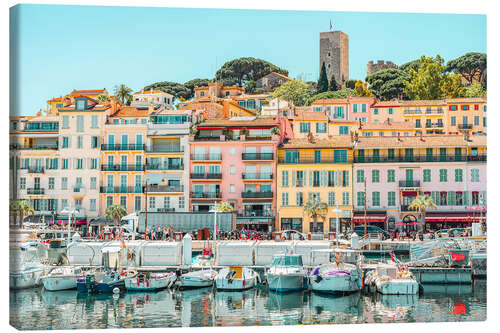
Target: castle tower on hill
<point x="334" y="52"/>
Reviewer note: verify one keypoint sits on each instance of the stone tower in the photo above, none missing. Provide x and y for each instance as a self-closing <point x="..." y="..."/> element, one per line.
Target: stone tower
<point x="334" y="52"/>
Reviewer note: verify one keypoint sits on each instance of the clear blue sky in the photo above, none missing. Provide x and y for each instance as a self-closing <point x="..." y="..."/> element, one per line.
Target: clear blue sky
<point x="62" y="48"/>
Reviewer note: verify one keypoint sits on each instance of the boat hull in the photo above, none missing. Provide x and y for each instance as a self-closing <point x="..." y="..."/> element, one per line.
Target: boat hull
<point x="339" y="284"/>
<point x="101" y="287"/>
<point x="133" y="284"/>
<point x="397" y="287"/>
<point x="286" y="282"/>
<point x="57" y="283"/>
<point x="27" y="279"/>
<point x="235" y="284"/>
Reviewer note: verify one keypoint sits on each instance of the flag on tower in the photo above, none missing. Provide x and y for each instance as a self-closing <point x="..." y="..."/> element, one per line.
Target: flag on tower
<point x="331" y="25"/>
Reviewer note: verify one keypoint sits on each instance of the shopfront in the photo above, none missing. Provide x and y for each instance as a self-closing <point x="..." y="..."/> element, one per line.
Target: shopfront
<point x="375" y="218"/>
<point x="444" y="220"/>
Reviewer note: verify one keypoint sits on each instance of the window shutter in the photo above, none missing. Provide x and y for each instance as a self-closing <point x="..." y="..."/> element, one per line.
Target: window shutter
<point x="310" y="177"/>
<point x="449" y="198"/>
<point x="47" y="163"/>
<point x="294" y="177"/>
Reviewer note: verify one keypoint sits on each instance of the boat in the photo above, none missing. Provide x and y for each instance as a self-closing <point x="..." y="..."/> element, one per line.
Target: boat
<point x="25" y="267"/>
<point x="203" y="260"/>
<point x="103" y="281"/>
<point x="150" y="282"/>
<point x="198" y="279"/>
<point x="342" y="276"/>
<point x="236" y="278"/>
<point x="392" y="279"/>
<point x="286" y="273"/>
<point x="62" y="278"/>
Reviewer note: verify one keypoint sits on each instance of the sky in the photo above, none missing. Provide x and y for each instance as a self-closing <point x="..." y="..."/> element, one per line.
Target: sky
<point x="58" y="48"/>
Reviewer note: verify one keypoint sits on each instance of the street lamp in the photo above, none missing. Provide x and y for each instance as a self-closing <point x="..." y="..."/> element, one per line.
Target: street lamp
<point x="70" y="212"/>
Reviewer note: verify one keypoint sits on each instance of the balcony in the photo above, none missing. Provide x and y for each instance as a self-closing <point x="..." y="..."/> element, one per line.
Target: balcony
<point x="35" y="191"/>
<point x="434" y="125"/>
<point x="42" y="127"/>
<point x="34" y="147"/>
<point x="122" y="167"/>
<point x="312" y="160"/>
<point x="257" y="176"/>
<point x="409" y="183"/>
<point x="164" y="167"/>
<point x="120" y="189"/>
<point x="206" y="176"/>
<point x="122" y="147"/>
<point x="166" y="149"/>
<point x="257" y="156"/>
<point x="162" y="210"/>
<point x="477" y="158"/>
<point x="464" y="126"/>
<point x="36" y="170"/>
<point x="206" y="157"/>
<point x="164" y="188"/>
<point x="205" y="195"/>
<point x="78" y="190"/>
<point x="257" y="195"/>
<point x="404" y="208"/>
<point x="418" y="158"/>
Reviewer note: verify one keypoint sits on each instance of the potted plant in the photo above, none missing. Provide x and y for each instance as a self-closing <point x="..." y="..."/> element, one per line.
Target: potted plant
<point x="192" y="132"/>
<point x="243" y="133"/>
<point x="275" y="133"/>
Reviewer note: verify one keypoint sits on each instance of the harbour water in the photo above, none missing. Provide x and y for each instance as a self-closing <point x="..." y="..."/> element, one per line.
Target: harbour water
<point x="39" y="309"/>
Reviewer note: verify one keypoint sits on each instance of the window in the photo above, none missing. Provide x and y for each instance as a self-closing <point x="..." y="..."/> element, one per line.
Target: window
<point x="474" y="175"/>
<point x="79" y="141"/>
<point x="458" y="175"/>
<point x="360" y="176"/>
<point x="94" y="121"/>
<point x="305" y="127"/>
<point x="109" y="201"/>
<point x="375" y="176"/>
<point x="375" y="198"/>
<point x="79" y="163"/>
<point x="484" y="121"/>
<point x="465" y="107"/>
<point x="291" y="156"/>
<point x="65" y="163"/>
<point x="317" y="156"/>
<point x="453" y="107"/>
<point x="232" y="169"/>
<point x="93" y="204"/>
<point x="284" y="199"/>
<point x="376" y="155"/>
<point x="427" y="175"/>
<point x="345" y="198"/>
<point x="181" y="202"/>
<point x="361" y="198"/>
<point x="391" y="198"/>
<point x="65" y="121"/>
<point x="340" y="156"/>
<point x="93" y="163"/>
<point x="391" y="178"/>
<point x="231" y="188"/>
<point x="317" y="109"/>
<point x="338" y="112"/>
<point x="299" y="199"/>
<point x="320" y="127"/>
<point x="343" y="130"/>
<point x="79" y="123"/>
<point x="166" y="202"/>
<point x="345" y="178"/>
<point x="22" y="183"/>
<point x="51" y="183"/>
<point x="428" y="154"/>
<point x="355" y="108"/>
<point x="417" y="123"/>
<point x="375" y="111"/>
<point x="300" y="179"/>
<point x="363" y="108"/>
<point x="64" y="203"/>
<point x="284" y="178"/>
<point x="93" y="183"/>
<point x="476" y="120"/>
<point x="152" y="202"/>
<point x="65" y="142"/>
<point x="453" y="121"/>
<point x="94" y="142"/>
<point x="291" y="224"/>
<point x="64" y="183"/>
<point x="443" y="175"/>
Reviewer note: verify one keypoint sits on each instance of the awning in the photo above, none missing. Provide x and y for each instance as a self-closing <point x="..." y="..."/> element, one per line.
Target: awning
<point x="369" y="219"/>
<point x="409" y="193"/>
<point x="157" y="178"/>
<point x="259" y="221"/>
<point x="455" y="219"/>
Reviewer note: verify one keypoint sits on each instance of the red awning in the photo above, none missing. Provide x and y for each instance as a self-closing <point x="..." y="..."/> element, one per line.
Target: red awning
<point x="409" y="193"/>
<point x="463" y="219"/>
<point x="369" y="219"/>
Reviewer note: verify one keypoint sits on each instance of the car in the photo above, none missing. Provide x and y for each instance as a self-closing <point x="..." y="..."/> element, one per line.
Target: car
<point x="370" y="229"/>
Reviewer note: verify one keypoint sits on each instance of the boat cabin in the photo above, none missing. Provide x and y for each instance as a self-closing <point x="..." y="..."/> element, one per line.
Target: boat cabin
<point x="286" y="260"/>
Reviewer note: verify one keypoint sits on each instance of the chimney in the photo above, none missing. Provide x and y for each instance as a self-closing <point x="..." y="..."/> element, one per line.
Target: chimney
<point x="399" y="136"/>
<point x="388" y="121"/>
<point x="310" y="137"/>
<point x="356" y="137"/>
<point x="360" y="124"/>
<point x="421" y="137"/>
<point x="352" y="136"/>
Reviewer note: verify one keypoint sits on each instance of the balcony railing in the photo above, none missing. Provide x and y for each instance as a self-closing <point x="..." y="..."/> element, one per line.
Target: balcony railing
<point x="36" y="170"/>
<point x="205" y="195"/>
<point x="78" y="189"/>
<point x="121" y="189"/>
<point x="122" y="167"/>
<point x="257" y="156"/>
<point x="166" y="149"/>
<point x="257" y="195"/>
<point x="34" y="191"/>
<point x="34" y="147"/>
<point x="165" y="188"/>
<point x="43" y="127"/>
<point x="418" y="158"/>
<point x="434" y="125"/>
<point x="117" y="146"/>
<point x="465" y="126"/>
<point x="206" y="176"/>
<point x="261" y="176"/>
<point x="206" y="157"/>
<point x="409" y="183"/>
<point x="313" y="160"/>
<point x="164" y="167"/>
<point x="255" y="214"/>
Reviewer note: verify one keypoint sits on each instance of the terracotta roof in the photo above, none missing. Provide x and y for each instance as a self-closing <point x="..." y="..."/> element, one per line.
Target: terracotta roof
<point x="55" y="99"/>
<point x="245" y="96"/>
<point x="262" y="121"/>
<point x="344" y="122"/>
<point x="91" y="91"/>
<point x="423" y="102"/>
<point x="303" y="108"/>
<point x="416" y="141"/>
<point x="331" y="101"/>
<point x="364" y="98"/>
<point x="339" y="141"/>
<point x="466" y="100"/>
<point x="283" y="76"/>
<point x="394" y="125"/>
<point x="130" y="111"/>
<point x="315" y="116"/>
<point x="381" y="104"/>
<point x="151" y="92"/>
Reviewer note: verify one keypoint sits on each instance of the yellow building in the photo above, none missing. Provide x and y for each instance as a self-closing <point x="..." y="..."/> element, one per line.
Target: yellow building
<point x="465" y="114"/>
<point x="386" y="128"/>
<point x="317" y="168"/>
<point x="428" y="116"/>
<point x="314" y="122"/>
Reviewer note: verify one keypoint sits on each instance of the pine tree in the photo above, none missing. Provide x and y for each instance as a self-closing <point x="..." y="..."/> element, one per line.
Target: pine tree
<point x="333" y="84"/>
<point x="323" y="80"/>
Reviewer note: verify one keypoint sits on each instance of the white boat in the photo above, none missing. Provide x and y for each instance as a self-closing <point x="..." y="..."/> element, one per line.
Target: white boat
<point x="62" y="278"/>
<point x="150" y="282"/>
<point x="392" y="279"/>
<point x="344" y="275"/>
<point x="198" y="279"/>
<point x="236" y="278"/>
<point x="286" y="273"/>
<point x="25" y="267"/>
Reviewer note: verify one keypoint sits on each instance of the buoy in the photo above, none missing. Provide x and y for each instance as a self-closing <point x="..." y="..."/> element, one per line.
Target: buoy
<point x="116" y="290"/>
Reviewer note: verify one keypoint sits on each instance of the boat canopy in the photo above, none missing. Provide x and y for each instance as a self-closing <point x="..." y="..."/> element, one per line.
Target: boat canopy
<point x="287" y="260"/>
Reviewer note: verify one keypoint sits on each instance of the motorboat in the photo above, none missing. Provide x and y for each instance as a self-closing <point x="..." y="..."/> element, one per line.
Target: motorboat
<point x="62" y="278"/>
<point x="342" y="276"/>
<point x="236" y="278"/>
<point x="103" y="281"/>
<point x="25" y="267"/>
<point x="150" y="282"/>
<point x="286" y="273"/>
<point x="198" y="279"/>
<point x="392" y="279"/>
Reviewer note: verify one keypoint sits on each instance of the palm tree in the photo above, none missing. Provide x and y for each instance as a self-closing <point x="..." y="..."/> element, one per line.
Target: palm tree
<point x="116" y="212"/>
<point x="13" y="209"/>
<point x="421" y="203"/>
<point x="315" y="208"/>
<point x="102" y="98"/>
<point x="223" y="207"/>
<point x="24" y="209"/>
<point x="122" y="92"/>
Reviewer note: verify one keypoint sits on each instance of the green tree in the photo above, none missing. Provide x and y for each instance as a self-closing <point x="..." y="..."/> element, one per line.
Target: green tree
<point x="351" y="84"/>
<point x="322" y="81"/>
<point x="224" y="207"/>
<point x="122" y="92"/>
<point x="102" y="98"/>
<point x="239" y="71"/>
<point x="452" y="86"/>
<point x="331" y="95"/>
<point x="13" y="210"/>
<point x="420" y="204"/>
<point x="333" y="84"/>
<point x="191" y="84"/>
<point x="362" y="89"/>
<point x="388" y="84"/>
<point x="475" y="90"/>
<point x="471" y="66"/>
<point x="315" y="209"/>
<point x="293" y="91"/>
<point x="24" y="209"/>
<point x="414" y="64"/>
<point x="178" y="90"/>
<point x="426" y="82"/>
<point x="115" y="212"/>
<point x="250" y="87"/>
